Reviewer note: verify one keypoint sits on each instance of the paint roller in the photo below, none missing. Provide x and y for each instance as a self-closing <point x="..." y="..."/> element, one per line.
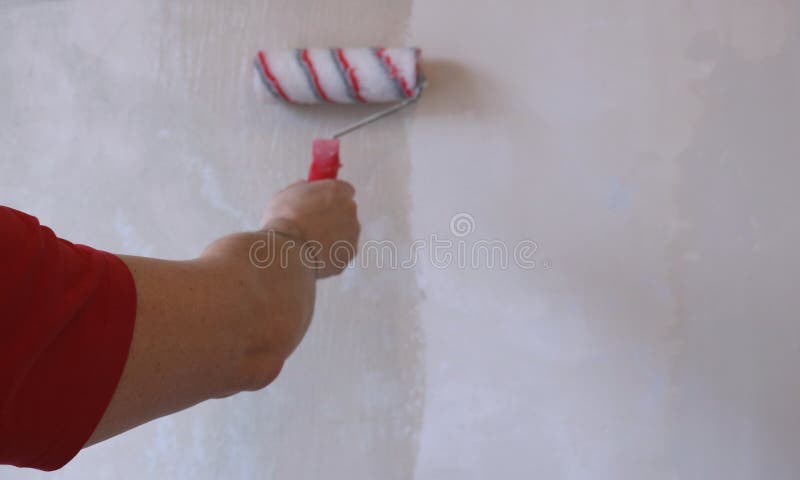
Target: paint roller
<point x="341" y="76"/>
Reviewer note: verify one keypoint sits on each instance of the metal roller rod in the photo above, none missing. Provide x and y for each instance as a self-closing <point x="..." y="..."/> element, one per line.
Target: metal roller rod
<point x="377" y="116"/>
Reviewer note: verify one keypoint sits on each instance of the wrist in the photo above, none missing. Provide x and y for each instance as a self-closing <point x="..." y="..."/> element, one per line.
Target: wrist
<point x="284" y="227"/>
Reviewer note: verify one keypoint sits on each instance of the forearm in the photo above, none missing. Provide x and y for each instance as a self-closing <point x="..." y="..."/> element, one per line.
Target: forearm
<point x="221" y="324"/>
<point x="205" y="329"/>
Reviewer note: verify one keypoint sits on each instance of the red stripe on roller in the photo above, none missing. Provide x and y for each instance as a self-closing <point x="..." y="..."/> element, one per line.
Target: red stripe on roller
<point x="351" y="72"/>
<point x="394" y="72"/>
<point x="314" y="76"/>
<point x="263" y="59"/>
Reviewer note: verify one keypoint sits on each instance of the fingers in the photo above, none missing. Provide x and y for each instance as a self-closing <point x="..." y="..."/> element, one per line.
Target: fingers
<point x="346" y="188"/>
<point x="339" y="189"/>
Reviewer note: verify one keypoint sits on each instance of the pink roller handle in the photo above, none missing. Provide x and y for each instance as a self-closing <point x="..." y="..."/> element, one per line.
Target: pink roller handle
<point x="325" y="162"/>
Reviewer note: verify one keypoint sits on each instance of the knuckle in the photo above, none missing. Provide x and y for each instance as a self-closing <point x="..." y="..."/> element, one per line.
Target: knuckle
<point x="330" y="195"/>
<point x="262" y="375"/>
<point x="346" y="188"/>
<point x="326" y="187"/>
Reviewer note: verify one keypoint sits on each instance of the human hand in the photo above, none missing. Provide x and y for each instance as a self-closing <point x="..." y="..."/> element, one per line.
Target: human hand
<point x="322" y="215"/>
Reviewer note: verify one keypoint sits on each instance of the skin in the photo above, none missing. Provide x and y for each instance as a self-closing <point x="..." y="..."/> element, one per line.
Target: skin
<point x="219" y="324"/>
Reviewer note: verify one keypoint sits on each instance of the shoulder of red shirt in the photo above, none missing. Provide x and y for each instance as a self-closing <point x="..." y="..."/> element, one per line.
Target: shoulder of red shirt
<point x="67" y="314"/>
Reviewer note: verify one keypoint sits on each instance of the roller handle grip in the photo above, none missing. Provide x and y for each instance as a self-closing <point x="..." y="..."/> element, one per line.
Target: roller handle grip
<point x="325" y="160"/>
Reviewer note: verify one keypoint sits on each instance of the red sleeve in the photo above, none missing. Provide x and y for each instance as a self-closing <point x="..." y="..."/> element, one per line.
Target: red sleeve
<point x="66" y="323"/>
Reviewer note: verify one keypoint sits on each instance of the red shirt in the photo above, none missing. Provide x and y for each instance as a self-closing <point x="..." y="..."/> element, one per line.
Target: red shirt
<point x="66" y="322"/>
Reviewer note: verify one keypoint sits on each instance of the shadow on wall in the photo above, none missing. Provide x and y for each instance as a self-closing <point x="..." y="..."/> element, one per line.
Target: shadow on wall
<point x="453" y="89"/>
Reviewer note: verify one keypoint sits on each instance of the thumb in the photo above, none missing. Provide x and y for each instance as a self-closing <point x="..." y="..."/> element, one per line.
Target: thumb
<point x="294" y="184"/>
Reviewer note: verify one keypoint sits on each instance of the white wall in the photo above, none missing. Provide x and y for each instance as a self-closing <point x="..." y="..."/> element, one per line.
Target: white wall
<point x="648" y="148"/>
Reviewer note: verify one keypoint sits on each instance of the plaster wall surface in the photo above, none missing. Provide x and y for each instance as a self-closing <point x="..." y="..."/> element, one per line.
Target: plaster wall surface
<point x="647" y="149"/>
